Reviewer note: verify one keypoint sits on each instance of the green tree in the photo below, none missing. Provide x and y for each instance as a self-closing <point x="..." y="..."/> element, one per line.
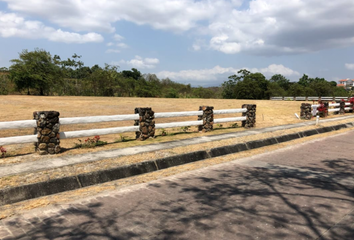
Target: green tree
<point x="229" y="87"/>
<point x="246" y="85"/>
<point x="134" y="73"/>
<point x="296" y="90"/>
<point x="304" y="81"/>
<point x="340" y="92"/>
<point x="275" y="90"/>
<point x="282" y="81"/>
<point x="321" y="87"/>
<point x="36" y="69"/>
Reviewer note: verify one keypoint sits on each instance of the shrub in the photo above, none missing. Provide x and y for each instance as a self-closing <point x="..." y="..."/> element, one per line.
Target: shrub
<point x="90" y="142"/>
<point x="3" y="151"/>
<point x="185" y="129"/>
<point x="163" y="132"/>
<point x="123" y="138"/>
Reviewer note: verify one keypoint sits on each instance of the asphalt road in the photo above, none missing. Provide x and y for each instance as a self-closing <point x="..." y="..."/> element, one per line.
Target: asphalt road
<point x="302" y="192"/>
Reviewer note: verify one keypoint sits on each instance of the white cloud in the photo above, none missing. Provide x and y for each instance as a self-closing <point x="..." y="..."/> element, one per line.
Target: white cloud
<point x="111" y="50"/>
<point x="277" y="69"/>
<point x="349" y="66"/>
<point x="214" y="73"/>
<point x="142" y="63"/>
<point x="267" y="27"/>
<point x="12" y="25"/>
<point x="196" y="47"/>
<point x="175" y="15"/>
<point x="122" y="45"/>
<point x="118" y="37"/>
<point x="273" y="27"/>
<point x="197" y="75"/>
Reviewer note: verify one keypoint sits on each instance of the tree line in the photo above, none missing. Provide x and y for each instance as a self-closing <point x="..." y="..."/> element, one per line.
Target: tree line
<point x="39" y="73"/>
<point x="247" y="85"/>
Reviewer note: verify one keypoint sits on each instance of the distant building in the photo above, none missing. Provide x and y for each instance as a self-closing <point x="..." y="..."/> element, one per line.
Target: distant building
<point x="346" y="83"/>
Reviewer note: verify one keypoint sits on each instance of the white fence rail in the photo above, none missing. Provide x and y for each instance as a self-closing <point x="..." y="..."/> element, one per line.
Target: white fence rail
<point x="115" y="130"/>
<point x="331" y="109"/>
<point x="309" y="98"/>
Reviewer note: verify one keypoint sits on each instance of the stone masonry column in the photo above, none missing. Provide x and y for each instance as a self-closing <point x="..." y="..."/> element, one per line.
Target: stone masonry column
<point x="341" y="107"/>
<point x="146" y="123"/>
<point x="47" y="131"/>
<point x="306" y="111"/>
<point x="323" y="109"/>
<point x="250" y="114"/>
<point x="207" y="117"/>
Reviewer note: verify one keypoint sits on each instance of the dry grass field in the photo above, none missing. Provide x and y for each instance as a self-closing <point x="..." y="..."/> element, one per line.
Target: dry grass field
<point x="269" y="113"/>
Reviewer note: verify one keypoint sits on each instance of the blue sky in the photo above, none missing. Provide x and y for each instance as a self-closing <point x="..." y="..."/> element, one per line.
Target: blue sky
<point x="201" y="42"/>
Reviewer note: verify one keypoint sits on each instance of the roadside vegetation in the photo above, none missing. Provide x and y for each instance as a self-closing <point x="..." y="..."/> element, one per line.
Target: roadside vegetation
<point x="39" y="73"/>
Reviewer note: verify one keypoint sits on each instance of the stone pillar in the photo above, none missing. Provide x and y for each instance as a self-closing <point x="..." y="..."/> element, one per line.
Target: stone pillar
<point x="146" y="123"/>
<point x="207" y="117"/>
<point x="323" y="109"/>
<point x="341" y="107"/>
<point x="306" y="111"/>
<point x="250" y="114"/>
<point x="47" y="131"/>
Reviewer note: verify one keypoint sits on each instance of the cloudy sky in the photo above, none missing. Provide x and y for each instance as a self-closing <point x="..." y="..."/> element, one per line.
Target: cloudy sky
<point x="200" y="42"/>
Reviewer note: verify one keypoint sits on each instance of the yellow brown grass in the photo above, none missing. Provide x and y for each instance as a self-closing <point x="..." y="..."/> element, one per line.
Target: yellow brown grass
<point x="269" y="113"/>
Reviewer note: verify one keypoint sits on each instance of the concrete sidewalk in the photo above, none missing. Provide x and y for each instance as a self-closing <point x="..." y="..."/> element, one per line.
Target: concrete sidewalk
<point x="56" y="162"/>
<point x="302" y="192"/>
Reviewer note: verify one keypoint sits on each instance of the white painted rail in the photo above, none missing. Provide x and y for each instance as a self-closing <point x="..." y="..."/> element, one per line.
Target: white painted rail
<point x="93" y="132"/>
<point x="96" y="119"/>
<point x="178" y="124"/>
<point x="18" y="140"/>
<point x="334" y="105"/>
<point x="227" y="111"/>
<point x="235" y="119"/>
<point x="105" y="131"/>
<point x="178" y="114"/>
<point x="18" y="124"/>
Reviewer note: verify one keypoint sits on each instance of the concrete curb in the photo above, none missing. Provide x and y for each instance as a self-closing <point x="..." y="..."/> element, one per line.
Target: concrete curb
<point x="30" y="191"/>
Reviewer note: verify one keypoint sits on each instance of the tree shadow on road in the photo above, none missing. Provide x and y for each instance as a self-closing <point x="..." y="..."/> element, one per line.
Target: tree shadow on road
<point x="231" y="203"/>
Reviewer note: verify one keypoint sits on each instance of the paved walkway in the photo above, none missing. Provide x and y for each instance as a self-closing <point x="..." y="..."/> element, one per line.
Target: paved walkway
<point x="302" y="192"/>
<point x="55" y="162"/>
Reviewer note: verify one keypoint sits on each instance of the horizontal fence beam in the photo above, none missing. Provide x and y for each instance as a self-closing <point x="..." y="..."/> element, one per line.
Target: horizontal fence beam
<point x="18" y="124"/>
<point x="106" y="131"/>
<point x="96" y="119"/>
<point x="226" y="111"/>
<point x="235" y="119"/>
<point x="178" y="124"/>
<point x="177" y="114"/>
<point x="18" y="140"/>
<point x="334" y="110"/>
<point x="94" y="132"/>
<point x="309" y="98"/>
<point x="331" y="104"/>
<point x="112" y="118"/>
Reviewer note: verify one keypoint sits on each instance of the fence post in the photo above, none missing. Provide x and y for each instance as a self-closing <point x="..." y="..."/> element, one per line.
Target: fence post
<point x="207" y="117"/>
<point x="146" y="123"/>
<point x="47" y="131"/>
<point x="322" y="109"/>
<point x="341" y="107"/>
<point x="306" y="111"/>
<point x="250" y="115"/>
